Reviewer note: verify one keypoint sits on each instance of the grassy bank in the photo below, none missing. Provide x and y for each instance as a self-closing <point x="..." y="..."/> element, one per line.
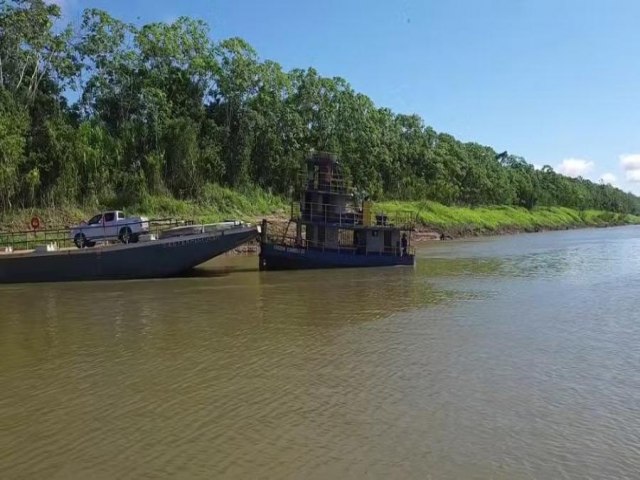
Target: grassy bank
<point x="464" y="221"/>
<point x="215" y="204"/>
<point x="218" y="203"/>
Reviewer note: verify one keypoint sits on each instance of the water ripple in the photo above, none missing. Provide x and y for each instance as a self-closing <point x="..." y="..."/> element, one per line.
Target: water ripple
<point x="513" y="358"/>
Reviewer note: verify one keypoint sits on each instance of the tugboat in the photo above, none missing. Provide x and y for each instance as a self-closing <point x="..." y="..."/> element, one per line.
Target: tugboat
<point x="333" y="229"/>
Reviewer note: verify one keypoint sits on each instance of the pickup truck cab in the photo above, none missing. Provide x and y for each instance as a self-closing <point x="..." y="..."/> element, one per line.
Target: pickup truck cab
<point x="110" y="225"/>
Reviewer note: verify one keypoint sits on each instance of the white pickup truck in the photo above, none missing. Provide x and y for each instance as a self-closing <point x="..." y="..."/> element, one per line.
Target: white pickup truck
<point x="112" y="225"/>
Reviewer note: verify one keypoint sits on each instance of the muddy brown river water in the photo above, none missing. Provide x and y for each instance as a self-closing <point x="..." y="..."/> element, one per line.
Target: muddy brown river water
<point x="504" y="358"/>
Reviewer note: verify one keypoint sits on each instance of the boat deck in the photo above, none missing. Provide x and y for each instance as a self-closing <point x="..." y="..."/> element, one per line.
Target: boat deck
<point x="146" y="259"/>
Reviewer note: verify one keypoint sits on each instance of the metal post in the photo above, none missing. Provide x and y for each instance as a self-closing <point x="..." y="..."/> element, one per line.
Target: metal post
<point x="263" y="231"/>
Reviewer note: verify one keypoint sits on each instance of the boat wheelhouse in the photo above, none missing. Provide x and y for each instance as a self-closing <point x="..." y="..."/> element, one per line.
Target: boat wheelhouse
<point x="333" y="228"/>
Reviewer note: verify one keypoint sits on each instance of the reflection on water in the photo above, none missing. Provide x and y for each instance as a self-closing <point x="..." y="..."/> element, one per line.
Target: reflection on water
<point x="505" y="358"/>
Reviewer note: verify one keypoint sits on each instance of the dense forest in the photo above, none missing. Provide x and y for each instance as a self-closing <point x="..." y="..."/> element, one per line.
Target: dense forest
<point x="163" y="109"/>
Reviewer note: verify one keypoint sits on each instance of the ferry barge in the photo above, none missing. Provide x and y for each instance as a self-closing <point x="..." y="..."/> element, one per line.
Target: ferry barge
<point x="333" y="229"/>
<point x="171" y="252"/>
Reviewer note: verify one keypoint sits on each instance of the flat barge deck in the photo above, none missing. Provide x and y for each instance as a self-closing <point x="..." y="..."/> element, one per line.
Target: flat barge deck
<point x="165" y="257"/>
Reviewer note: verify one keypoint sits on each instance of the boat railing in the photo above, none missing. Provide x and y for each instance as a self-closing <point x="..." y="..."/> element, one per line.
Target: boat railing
<point x="325" y="180"/>
<point x="295" y="245"/>
<point x="334" y="185"/>
<point x="341" y="216"/>
<point x="30" y="238"/>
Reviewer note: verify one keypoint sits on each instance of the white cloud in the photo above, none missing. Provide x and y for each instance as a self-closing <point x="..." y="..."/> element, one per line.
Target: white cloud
<point x="630" y="163"/>
<point x="633" y="175"/>
<point x="608" y="178"/>
<point x="574" y="167"/>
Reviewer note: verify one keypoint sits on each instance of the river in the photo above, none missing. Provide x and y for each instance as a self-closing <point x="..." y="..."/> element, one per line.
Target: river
<point x="506" y="358"/>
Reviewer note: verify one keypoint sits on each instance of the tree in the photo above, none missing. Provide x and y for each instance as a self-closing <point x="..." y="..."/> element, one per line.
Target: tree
<point x="30" y="51"/>
<point x="164" y="110"/>
<point x="13" y="131"/>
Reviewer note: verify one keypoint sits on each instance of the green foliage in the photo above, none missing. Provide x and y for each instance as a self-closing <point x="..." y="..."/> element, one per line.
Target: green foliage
<point x="497" y="219"/>
<point x="31" y="52"/>
<point x="166" y="113"/>
<point x="216" y="204"/>
<point x="13" y="131"/>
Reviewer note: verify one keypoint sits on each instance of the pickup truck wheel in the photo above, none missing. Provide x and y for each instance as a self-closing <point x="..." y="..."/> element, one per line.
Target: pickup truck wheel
<point x="125" y="235"/>
<point x="80" y="240"/>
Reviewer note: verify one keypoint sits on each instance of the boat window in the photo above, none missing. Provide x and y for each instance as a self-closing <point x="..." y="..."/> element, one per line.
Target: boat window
<point x="95" y="220"/>
<point x="109" y="217"/>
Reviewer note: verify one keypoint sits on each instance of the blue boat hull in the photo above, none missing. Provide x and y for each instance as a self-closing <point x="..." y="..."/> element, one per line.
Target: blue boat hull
<point x="154" y="259"/>
<point x="281" y="257"/>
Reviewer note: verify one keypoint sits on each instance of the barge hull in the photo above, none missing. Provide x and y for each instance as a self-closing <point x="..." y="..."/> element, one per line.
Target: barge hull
<point x="154" y="259"/>
<point x="280" y="257"/>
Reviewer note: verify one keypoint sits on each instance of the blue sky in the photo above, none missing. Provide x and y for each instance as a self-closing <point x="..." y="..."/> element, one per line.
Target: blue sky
<point x="556" y="81"/>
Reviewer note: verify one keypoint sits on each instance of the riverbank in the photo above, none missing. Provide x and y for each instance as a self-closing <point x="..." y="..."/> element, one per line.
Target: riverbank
<point x="215" y="204"/>
<point x="432" y="219"/>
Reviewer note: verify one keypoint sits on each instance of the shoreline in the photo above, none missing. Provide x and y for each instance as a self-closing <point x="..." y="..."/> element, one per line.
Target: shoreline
<point x="426" y="234"/>
<point x="432" y="220"/>
<point x="422" y="234"/>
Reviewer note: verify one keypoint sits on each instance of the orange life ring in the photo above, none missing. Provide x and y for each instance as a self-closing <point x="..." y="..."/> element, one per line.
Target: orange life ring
<point x="35" y="223"/>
